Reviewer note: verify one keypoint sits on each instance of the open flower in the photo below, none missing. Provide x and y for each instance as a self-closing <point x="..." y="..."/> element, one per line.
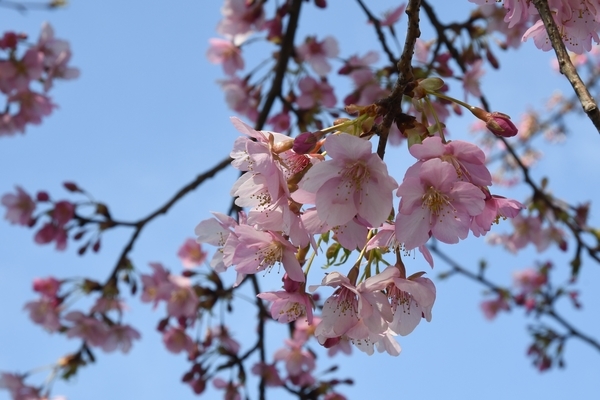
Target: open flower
<point x="354" y="182"/>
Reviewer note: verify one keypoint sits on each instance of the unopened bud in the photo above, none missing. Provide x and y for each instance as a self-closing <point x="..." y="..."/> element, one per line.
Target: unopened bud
<point x="305" y="143"/>
<point x="498" y="123"/>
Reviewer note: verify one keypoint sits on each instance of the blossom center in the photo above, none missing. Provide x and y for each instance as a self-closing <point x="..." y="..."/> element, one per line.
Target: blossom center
<point x="436" y="201"/>
<point x="356" y="174"/>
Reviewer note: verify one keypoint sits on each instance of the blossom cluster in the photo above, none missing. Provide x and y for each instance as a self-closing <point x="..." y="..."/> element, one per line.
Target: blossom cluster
<point x="296" y="190"/>
<point x="578" y="22"/>
<point x="43" y="62"/>
<point x="95" y="328"/>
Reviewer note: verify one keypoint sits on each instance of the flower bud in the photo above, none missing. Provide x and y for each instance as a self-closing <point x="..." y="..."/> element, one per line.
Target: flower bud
<point x="501" y="125"/>
<point x="305" y="143"/>
<point x="498" y="123"/>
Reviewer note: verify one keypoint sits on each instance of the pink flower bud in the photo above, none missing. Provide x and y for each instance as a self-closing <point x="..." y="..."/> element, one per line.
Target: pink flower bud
<point x="501" y="125"/>
<point x="305" y="142"/>
<point x="9" y="41"/>
<point x="71" y="187"/>
<point x="42" y="196"/>
<point x="498" y="123"/>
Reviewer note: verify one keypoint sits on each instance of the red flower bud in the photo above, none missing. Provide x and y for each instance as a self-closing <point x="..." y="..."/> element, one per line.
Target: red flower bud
<point x="305" y="142"/>
<point x="501" y="125"/>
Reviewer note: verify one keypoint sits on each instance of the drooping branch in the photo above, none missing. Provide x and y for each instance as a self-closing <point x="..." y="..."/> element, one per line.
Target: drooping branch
<point x="566" y="66"/>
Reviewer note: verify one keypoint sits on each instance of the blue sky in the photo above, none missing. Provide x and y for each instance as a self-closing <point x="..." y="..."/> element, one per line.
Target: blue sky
<point x="146" y="116"/>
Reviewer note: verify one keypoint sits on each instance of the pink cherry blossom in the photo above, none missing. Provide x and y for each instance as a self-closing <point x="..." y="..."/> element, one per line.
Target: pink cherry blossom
<point x="19" y="207"/>
<point x="177" y="340"/>
<point x="215" y="231"/>
<point x="227" y="54"/>
<point x="269" y="373"/>
<point x="9" y="41"/>
<point x="241" y="97"/>
<point x="255" y="251"/>
<point x="435" y="202"/>
<point x="152" y="284"/>
<point x="315" y="93"/>
<point x="297" y="360"/>
<point x="529" y="280"/>
<point x="385" y="239"/>
<point x="50" y="232"/>
<point x="240" y="19"/>
<point x="45" y="312"/>
<point x="231" y="388"/>
<point x="120" y="337"/>
<point x="228" y="343"/>
<point x="63" y="212"/>
<point x="280" y="121"/>
<point x="182" y="300"/>
<point x="15" y="75"/>
<point x="578" y="23"/>
<point x="48" y="287"/>
<point x="289" y="305"/>
<point x="32" y="107"/>
<point x="93" y="331"/>
<point x="472" y="78"/>
<point x="467" y="159"/>
<point x="496" y="207"/>
<point x="411" y="299"/>
<point x="18" y="389"/>
<point x="354" y="182"/>
<point x="317" y="52"/>
<point x="359" y="312"/>
<point x="491" y="308"/>
<point x="392" y="16"/>
<point x="191" y="254"/>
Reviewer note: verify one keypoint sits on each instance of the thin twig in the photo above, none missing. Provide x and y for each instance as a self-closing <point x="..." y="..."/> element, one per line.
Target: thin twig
<point x="379" y="31"/>
<point x="550" y="311"/>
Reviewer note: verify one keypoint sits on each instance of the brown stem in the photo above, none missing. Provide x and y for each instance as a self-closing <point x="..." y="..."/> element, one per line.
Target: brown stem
<point x="391" y="104"/>
<point x="566" y="66"/>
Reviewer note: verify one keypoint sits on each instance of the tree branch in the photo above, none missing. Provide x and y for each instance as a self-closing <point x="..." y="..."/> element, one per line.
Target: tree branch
<point x="566" y="66"/>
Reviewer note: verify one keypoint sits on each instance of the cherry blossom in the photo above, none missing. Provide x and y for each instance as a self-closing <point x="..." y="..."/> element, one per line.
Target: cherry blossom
<point x="317" y="52"/>
<point x="120" y="337"/>
<point x="177" y="340"/>
<point x="225" y="53"/>
<point x="491" y="308"/>
<point x="392" y="16"/>
<point x="315" y="93"/>
<point x="240" y="19"/>
<point x="19" y="207"/>
<point x="241" y="97"/>
<point x="45" y="312"/>
<point x="435" y="202"/>
<point x="354" y="182"/>
<point x="87" y="328"/>
<point x="472" y="78"/>
<point x="255" y="251"/>
<point x="191" y="254"/>
<point x="182" y="300"/>
<point x="359" y="312"/>
<point x="296" y="359"/>
<point x="269" y="373"/>
<point x="290" y="304"/>
<point x="411" y="299"/>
